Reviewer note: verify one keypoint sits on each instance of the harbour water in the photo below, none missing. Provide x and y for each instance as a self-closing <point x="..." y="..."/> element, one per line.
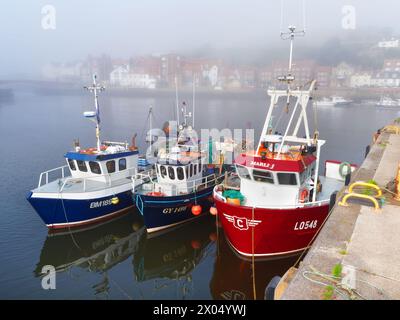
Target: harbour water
<point x="117" y="260"/>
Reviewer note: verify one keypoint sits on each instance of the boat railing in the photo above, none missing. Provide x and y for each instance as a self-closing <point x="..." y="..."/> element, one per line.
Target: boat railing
<point x="45" y="175"/>
<point x="193" y="185"/>
<point x="65" y="180"/>
<point x="217" y="193"/>
<point x="108" y="181"/>
<point x="142" y="177"/>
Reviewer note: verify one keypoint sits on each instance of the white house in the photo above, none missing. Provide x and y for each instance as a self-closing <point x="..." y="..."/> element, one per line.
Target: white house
<point x="123" y="76"/>
<point x="211" y="75"/>
<point x="386" y="80"/>
<point x="119" y="75"/>
<point x="392" y="43"/>
<point x="359" y="80"/>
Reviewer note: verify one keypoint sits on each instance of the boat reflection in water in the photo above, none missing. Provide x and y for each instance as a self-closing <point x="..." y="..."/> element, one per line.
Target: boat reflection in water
<point x="232" y="278"/>
<point x="166" y="260"/>
<point x="96" y="249"/>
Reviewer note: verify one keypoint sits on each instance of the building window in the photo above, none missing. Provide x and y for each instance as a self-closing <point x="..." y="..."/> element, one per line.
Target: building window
<point x="243" y="172"/>
<point x="82" y="165"/>
<point x="122" y="164"/>
<point x="71" y="164"/>
<point x="179" y="173"/>
<point x="94" y="167"/>
<point x="263" y="176"/>
<point x="163" y="171"/>
<point x="287" y="178"/>
<point x="110" y="166"/>
<point x="171" y="173"/>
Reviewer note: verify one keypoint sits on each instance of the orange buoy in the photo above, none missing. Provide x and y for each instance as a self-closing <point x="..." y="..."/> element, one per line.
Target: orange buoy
<point x="196" y="209"/>
<point x="213" y="211"/>
<point x="303" y="195"/>
<point x="155" y="194"/>
<point x="233" y="201"/>
<point x="195" y="244"/>
<point x="213" y="236"/>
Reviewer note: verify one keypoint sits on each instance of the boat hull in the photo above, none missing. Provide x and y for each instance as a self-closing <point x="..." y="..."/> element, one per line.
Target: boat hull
<point x="163" y="212"/>
<point x="67" y="212"/>
<point x="276" y="232"/>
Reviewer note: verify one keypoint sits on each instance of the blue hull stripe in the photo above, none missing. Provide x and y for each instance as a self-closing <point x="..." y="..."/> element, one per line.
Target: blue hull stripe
<point x="66" y="211"/>
<point x="159" y="213"/>
<point x="98" y="157"/>
<point x="176" y="201"/>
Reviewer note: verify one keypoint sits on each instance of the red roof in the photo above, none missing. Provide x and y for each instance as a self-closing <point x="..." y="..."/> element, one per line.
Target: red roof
<point x="257" y="162"/>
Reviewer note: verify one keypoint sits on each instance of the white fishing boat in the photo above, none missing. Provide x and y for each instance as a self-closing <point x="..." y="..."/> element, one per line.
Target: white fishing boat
<point x="387" y="101"/>
<point x="94" y="185"/>
<point x="333" y="101"/>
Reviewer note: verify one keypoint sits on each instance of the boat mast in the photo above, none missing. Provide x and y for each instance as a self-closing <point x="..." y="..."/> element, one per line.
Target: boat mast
<point x="289" y="78"/>
<point x="177" y="100"/>
<point x="151" y="124"/>
<point x="95" y="88"/>
<point x="193" y="103"/>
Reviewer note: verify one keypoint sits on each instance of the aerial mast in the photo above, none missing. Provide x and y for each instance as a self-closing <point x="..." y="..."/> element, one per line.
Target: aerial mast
<point x="289" y="78"/>
<point x="95" y="116"/>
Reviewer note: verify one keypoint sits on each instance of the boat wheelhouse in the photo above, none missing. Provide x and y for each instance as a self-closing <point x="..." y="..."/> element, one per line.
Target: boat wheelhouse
<point x="281" y="200"/>
<point x="181" y="189"/>
<point x="94" y="185"/>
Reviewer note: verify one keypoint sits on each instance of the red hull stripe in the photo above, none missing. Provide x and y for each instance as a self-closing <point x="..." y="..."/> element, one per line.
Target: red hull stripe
<point x="275" y="231"/>
<point x="87" y="222"/>
<point x="275" y="164"/>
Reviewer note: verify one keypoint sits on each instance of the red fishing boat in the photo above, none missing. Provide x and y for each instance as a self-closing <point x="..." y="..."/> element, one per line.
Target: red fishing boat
<point x="281" y="199"/>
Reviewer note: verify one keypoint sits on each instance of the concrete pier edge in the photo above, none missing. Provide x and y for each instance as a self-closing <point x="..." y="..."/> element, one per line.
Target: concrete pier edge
<point x="365" y="243"/>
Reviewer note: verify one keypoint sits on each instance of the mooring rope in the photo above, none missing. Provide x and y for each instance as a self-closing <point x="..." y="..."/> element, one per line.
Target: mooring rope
<point x="252" y="259"/>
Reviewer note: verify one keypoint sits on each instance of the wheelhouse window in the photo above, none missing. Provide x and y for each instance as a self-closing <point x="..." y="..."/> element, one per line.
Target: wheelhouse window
<point x="94" y="167"/>
<point x="82" y="165"/>
<point x="179" y="173"/>
<point x="286" y="178"/>
<point x="243" y="172"/>
<point x="263" y="176"/>
<point x="187" y="171"/>
<point x="110" y="166"/>
<point x="71" y="164"/>
<point x="171" y="173"/>
<point x="191" y="169"/>
<point x="195" y="169"/>
<point x="122" y="164"/>
<point x="163" y="171"/>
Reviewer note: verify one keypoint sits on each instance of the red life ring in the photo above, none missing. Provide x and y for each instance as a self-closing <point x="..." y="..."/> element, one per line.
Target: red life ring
<point x="155" y="194"/>
<point x="303" y="195"/>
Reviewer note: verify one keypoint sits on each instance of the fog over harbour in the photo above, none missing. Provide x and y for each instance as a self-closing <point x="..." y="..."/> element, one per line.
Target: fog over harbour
<point x="247" y="29"/>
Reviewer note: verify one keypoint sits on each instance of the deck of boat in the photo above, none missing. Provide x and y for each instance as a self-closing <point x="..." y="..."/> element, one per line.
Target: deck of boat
<point x="79" y="185"/>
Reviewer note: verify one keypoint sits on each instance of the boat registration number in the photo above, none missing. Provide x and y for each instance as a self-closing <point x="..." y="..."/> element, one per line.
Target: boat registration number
<point x="99" y="204"/>
<point x="304" y="225"/>
<point x="174" y="210"/>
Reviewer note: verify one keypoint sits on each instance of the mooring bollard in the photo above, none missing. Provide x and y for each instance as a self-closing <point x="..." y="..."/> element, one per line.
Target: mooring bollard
<point x="397" y="184"/>
<point x="367" y="149"/>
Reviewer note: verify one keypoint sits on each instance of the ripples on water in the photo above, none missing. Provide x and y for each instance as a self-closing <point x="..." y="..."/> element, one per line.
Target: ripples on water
<point x="117" y="260"/>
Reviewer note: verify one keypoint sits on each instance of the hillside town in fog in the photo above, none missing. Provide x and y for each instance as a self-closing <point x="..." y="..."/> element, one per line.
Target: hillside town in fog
<point x="167" y="70"/>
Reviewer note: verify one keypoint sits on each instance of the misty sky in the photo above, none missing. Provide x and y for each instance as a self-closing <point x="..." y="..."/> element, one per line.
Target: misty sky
<point x="123" y="28"/>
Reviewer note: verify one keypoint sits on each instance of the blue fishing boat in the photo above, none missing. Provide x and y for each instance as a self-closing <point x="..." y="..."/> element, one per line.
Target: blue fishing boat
<point x="182" y="186"/>
<point x="94" y="185"/>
